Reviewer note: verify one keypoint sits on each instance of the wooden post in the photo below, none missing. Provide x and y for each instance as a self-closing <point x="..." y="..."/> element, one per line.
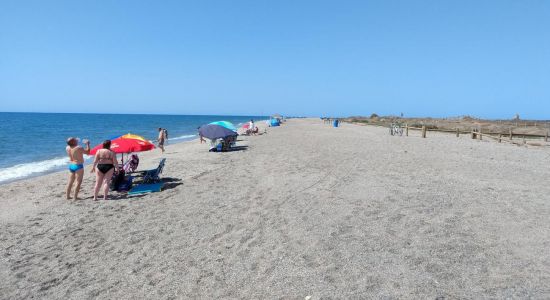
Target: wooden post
<point x="500" y="138"/>
<point x="473" y="134"/>
<point x="457" y="132"/>
<point x="479" y="134"/>
<point x="423" y="131"/>
<point x="406" y="129"/>
<point x="511" y="137"/>
<point x="546" y="137"/>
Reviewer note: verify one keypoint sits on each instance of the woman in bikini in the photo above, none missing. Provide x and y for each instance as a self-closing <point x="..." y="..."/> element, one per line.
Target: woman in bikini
<point x="105" y="162"/>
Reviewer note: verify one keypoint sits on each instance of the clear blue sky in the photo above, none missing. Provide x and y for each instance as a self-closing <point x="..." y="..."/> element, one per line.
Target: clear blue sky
<point x="439" y="58"/>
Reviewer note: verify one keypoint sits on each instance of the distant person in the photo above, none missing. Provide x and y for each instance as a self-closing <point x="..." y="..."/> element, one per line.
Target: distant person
<point x="105" y="162"/>
<point x="201" y="138"/>
<point x="251" y="125"/>
<point x="76" y="166"/>
<point x="165" y="132"/>
<point x="161" y="139"/>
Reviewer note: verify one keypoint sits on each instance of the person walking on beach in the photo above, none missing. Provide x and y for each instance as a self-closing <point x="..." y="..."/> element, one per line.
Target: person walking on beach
<point x="105" y="162"/>
<point x="201" y="138"/>
<point x="161" y="139"/>
<point x="76" y="166"/>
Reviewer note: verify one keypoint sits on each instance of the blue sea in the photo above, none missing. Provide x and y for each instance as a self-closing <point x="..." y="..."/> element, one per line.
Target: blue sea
<point x="34" y="143"/>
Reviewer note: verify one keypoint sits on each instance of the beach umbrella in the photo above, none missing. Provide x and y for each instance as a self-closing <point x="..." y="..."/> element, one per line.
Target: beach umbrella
<point x="129" y="136"/>
<point x="126" y="145"/>
<point x="214" y="131"/>
<point x="225" y="124"/>
<point x="246" y="126"/>
<point x="133" y="136"/>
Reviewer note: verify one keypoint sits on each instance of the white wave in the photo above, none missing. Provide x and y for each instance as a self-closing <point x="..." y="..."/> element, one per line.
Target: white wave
<point x="33" y="168"/>
<point x="183" y="137"/>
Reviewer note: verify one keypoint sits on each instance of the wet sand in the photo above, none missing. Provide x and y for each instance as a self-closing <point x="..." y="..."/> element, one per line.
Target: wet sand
<point x="306" y="210"/>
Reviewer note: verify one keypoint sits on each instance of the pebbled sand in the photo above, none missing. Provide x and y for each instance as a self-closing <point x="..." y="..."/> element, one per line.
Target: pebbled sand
<point x="305" y="210"/>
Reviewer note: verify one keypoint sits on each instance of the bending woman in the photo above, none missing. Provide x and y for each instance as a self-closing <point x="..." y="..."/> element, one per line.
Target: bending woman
<point x="105" y="162"/>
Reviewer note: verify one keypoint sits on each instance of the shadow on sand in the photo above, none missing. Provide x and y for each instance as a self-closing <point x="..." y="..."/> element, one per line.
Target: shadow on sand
<point x="238" y="148"/>
<point x="170" y="183"/>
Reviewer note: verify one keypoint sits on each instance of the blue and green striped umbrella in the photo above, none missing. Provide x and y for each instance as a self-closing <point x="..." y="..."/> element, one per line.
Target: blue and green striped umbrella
<point x="225" y="124"/>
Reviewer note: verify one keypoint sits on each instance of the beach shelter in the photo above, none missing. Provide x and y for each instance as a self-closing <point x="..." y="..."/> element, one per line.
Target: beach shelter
<point x="126" y="144"/>
<point x="215" y="131"/>
<point x="225" y="124"/>
<point x="275" y="120"/>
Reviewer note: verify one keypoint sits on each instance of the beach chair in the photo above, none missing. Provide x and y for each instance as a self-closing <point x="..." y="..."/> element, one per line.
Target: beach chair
<point x="132" y="164"/>
<point x="151" y="181"/>
<point x="152" y="176"/>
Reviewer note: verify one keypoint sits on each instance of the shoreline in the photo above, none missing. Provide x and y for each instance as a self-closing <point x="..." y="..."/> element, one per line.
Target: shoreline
<point x="87" y="161"/>
<point x="47" y="136"/>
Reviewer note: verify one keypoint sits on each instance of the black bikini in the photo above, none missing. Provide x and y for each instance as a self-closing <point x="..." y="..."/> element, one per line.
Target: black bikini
<point x="104" y="168"/>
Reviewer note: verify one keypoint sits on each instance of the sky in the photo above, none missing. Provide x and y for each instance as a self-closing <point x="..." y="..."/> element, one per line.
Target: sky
<point x="487" y="59"/>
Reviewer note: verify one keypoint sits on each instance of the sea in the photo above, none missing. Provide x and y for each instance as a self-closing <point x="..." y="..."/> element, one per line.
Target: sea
<point x="34" y="143"/>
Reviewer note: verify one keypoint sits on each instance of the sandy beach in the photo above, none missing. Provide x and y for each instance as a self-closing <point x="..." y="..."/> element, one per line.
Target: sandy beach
<point x="306" y="211"/>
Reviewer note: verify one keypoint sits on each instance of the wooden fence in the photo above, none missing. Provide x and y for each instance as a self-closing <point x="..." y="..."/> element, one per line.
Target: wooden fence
<point x="498" y="136"/>
<point x="475" y="134"/>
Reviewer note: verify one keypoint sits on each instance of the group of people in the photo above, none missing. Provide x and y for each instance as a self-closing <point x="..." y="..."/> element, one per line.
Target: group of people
<point x="104" y="166"/>
<point x="252" y="128"/>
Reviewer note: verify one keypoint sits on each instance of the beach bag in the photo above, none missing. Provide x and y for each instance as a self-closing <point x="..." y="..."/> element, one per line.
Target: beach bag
<point x="132" y="164"/>
<point x="126" y="184"/>
<point x="117" y="179"/>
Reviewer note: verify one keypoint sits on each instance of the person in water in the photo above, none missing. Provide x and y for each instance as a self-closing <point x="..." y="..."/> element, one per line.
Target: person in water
<point x="76" y="166"/>
<point x="161" y="139"/>
<point x="105" y="163"/>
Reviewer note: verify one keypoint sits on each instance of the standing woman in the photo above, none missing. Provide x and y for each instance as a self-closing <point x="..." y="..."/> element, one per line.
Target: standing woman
<point x="105" y="162"/>
<point x="161" y="139"/>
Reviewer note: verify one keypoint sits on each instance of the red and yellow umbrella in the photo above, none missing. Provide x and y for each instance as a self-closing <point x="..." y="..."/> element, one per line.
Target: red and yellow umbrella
<point x="133" y="136"/>
<point x="127" y="143"/>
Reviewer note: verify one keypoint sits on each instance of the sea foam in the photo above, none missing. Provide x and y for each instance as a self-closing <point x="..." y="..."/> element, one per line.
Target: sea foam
<point x="33" y="168"/>
<point x="183" y="137"/>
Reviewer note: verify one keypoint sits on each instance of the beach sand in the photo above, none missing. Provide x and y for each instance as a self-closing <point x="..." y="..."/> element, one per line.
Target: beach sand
<point x="306" y="210"/>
